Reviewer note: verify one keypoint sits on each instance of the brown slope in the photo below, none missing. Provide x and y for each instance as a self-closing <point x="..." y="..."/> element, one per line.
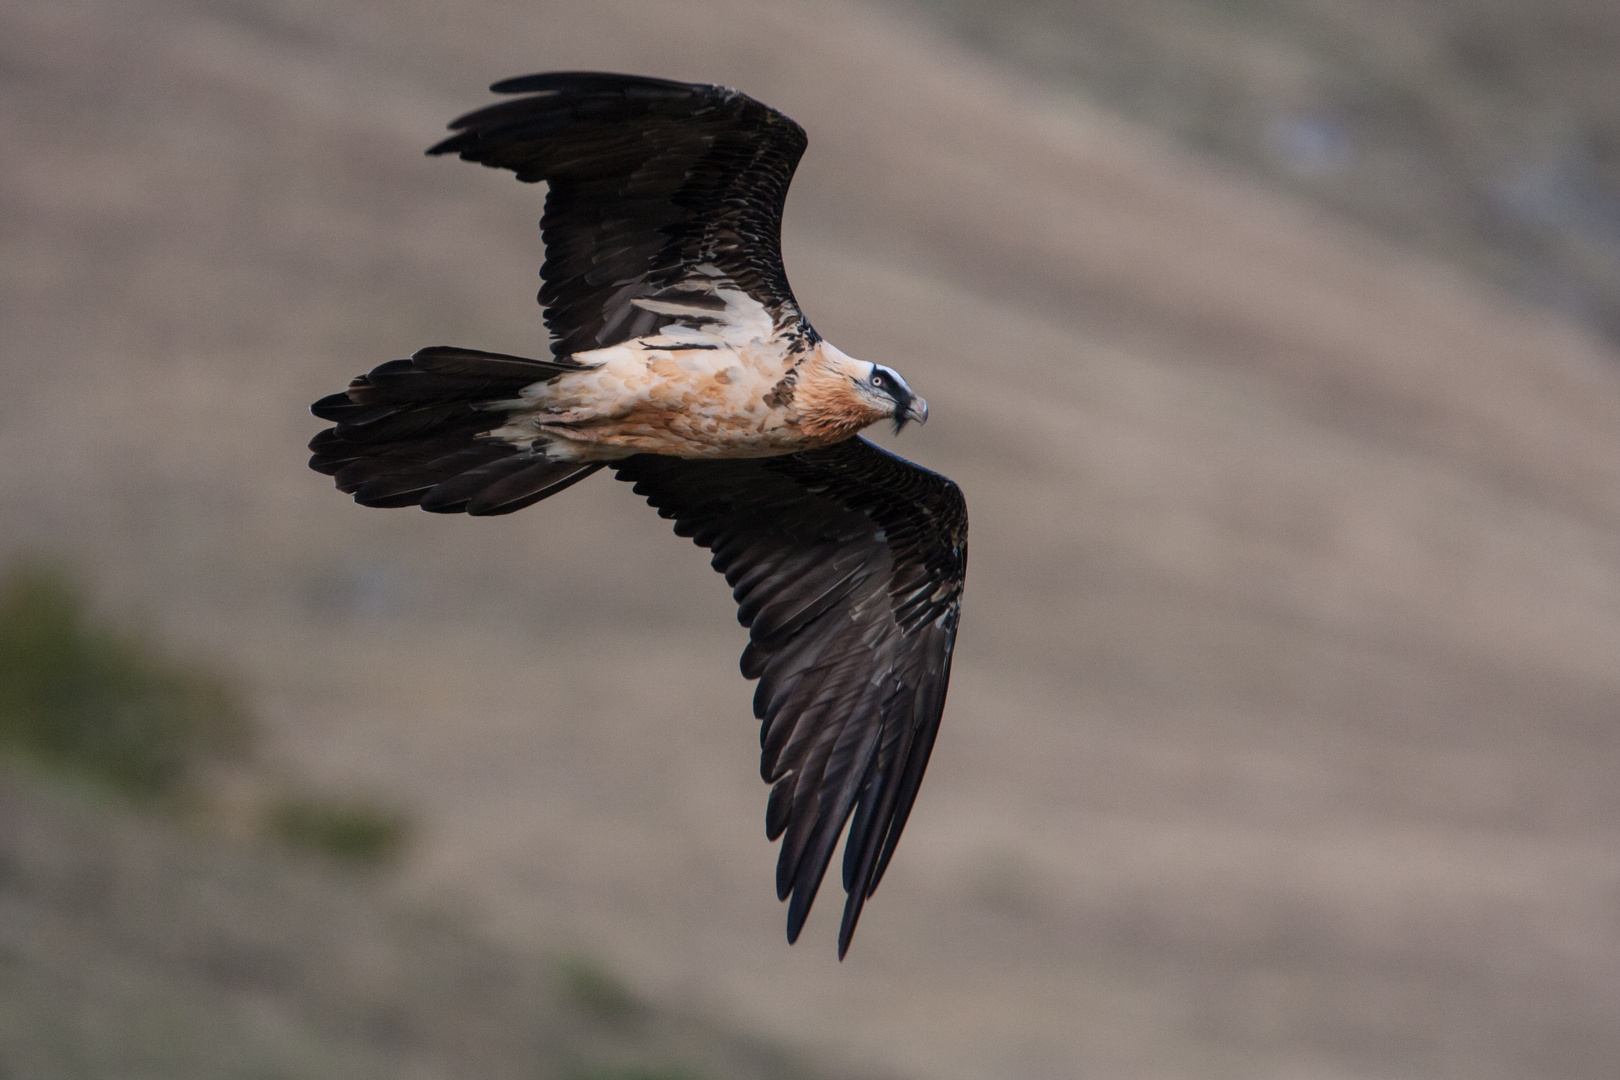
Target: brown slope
<point x="134" y="950"/>
<point x="1281" y="738"/>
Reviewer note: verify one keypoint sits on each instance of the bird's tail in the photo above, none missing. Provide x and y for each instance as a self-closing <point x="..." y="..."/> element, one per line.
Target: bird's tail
<point x="415" y="433"/>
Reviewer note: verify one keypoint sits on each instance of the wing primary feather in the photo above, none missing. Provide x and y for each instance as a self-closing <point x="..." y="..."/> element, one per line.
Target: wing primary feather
<point x="825" y="796"/>
<point x="875" y="807"/>
<point x="778" y="807"/>
<point x="921" y="749"/>
<point x="844" y="773"/>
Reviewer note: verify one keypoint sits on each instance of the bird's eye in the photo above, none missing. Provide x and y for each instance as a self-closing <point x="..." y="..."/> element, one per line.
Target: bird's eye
<point x="877" y="380"/>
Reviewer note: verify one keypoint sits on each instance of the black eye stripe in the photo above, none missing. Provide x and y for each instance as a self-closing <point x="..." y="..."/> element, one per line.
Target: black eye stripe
<point x="886" y="380"/>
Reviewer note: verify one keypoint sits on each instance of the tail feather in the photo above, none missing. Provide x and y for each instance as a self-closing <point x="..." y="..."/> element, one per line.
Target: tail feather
<point x="505" y="485"/>
<point x="402" y="481"/>
<point x="403" y="424"/>
<point x="413" y="432"/>
<point x="374" y="463"/>
<point x="528" y="485"/>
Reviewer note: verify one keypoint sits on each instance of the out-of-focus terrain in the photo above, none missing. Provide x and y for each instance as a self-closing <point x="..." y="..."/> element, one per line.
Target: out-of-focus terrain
<point x="1485" y="131"/>
<point x="1282" y="740"/>
<point x="132" y="951"/>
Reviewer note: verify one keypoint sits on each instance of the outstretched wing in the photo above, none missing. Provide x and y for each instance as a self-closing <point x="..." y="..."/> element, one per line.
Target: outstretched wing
<point x="847" y="566"/>
<point x="661" y="193"/>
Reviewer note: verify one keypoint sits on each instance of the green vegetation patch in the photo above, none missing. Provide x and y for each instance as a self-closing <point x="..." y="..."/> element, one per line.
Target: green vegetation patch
<point x="101" y="702"/>
<point x="600" y="993"/>
<point x="637" y="1072"/>
<point x="351" y="830"/>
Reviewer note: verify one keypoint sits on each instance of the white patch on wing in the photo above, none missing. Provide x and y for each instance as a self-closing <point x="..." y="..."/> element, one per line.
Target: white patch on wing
<point x="677" y="337"/>
<point x="746" y="322"/>
<point x="740" y="322"/>
<point x="667" y="306"/>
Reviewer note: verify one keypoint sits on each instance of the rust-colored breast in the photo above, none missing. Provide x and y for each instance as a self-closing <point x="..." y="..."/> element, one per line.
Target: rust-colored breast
<point x="640" y="397"/>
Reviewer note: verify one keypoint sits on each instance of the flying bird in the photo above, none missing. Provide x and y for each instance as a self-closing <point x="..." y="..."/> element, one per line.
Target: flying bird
<point x="680" y="360"/>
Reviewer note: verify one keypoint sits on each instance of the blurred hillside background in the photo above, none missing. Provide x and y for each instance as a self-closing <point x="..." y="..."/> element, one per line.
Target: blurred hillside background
<point x="1486" y="132"/>
<point x="1273" y="343"/>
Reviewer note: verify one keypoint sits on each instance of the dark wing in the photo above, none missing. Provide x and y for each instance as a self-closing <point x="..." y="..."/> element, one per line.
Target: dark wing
<point x="659" y="192"/>
<point x="847" y="566"/>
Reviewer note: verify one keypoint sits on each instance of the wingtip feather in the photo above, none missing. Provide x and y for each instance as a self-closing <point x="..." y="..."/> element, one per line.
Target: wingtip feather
<point x="852" y="915"/>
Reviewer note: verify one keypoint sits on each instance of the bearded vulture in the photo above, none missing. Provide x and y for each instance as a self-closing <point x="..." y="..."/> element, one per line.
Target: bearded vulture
<point x="680" y="360"/>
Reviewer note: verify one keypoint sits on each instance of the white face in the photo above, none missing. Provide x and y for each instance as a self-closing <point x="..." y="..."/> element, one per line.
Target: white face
<point x="888" y="381"/>
<point x="880" y="389"/>
<point x="877" y="385"/>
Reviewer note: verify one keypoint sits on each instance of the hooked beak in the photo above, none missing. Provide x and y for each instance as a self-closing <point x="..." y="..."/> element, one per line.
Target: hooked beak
<point x="916" y="409"/>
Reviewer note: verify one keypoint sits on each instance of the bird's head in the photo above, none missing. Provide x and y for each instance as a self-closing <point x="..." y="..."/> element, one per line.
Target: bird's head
<point x="884" y="391"/>
<point x="843" y="392"/>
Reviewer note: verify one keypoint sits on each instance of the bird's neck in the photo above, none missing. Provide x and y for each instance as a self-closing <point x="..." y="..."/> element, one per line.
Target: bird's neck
<point x="824" y="396"/>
